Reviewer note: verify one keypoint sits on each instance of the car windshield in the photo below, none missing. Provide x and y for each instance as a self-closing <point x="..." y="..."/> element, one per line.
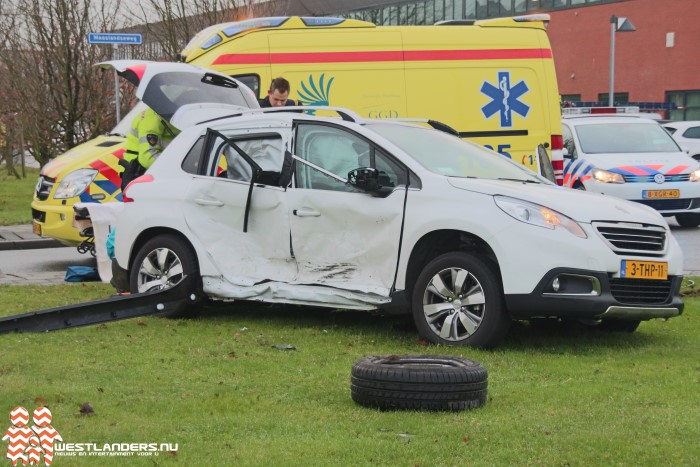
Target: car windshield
<point x="449" y="155"/>
<point x="617" y="138"/>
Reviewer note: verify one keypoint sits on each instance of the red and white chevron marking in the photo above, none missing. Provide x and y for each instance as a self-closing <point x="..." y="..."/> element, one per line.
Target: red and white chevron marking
<point x="34" y="451"/>
<point x="42" y="416"/>
<point x="19" y="416"/>
<point x="18" y="441"/>
<point x="47" y="435"/>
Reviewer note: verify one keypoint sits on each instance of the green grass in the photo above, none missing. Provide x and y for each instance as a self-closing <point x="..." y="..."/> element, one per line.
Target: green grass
<point x="219" y="388"/>
<point x="16" y="197"/>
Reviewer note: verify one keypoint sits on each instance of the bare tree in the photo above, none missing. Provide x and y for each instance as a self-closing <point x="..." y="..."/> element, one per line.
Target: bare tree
<point x="173" y="23"/>
<point x="52" y="86"/>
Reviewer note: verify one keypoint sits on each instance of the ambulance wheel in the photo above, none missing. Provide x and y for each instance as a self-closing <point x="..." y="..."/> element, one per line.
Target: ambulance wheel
<point x="161" y="263"/>
<point x="690" y="219"/>
<point x="457" y="300"/>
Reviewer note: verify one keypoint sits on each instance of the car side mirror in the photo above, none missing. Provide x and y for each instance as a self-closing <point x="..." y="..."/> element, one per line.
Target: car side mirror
<point x="370" y="180"/>
<point x="365" y="179"/>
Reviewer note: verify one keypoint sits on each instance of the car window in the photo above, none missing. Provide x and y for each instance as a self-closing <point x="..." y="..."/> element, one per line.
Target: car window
<point x="569" y="142"/>
<point x="692" y="132"/>
<point x="670" y="129"/>
<point x="167" y="92"/>
<point x="339" y="151"/>
<point x="194" y="156"/>
<point x="623" y="137"/>
<point x="267" y="151"/>
<point x="252" y="81"/>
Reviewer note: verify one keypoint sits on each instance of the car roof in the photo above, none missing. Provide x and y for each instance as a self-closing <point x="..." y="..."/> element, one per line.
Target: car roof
<point x="606" y="118"/>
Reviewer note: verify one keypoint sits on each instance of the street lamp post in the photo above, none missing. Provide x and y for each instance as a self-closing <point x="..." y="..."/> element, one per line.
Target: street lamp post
<point x="621" y="25"/>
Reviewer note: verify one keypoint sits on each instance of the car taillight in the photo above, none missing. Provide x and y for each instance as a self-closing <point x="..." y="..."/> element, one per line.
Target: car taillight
<point x="142" y="179"/>
<point x="558" y="158"/>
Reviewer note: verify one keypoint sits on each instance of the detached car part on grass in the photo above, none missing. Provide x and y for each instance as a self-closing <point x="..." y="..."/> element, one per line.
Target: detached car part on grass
<point x="163" y="301"/>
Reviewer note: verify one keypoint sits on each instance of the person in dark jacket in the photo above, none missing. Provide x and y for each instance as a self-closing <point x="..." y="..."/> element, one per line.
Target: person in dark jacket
<point x="278" y="95"/>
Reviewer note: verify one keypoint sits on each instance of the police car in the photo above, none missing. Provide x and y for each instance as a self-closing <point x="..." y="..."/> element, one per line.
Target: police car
<point x="625" y="155"/>
<point x="277" y="206"/>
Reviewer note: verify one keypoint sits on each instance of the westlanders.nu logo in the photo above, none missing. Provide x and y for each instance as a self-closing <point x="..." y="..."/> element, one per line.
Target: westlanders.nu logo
<point x="29" y="444"/>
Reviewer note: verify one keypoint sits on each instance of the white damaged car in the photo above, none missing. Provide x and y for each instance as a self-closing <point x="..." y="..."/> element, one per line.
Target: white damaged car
<point x="285" y="207"/>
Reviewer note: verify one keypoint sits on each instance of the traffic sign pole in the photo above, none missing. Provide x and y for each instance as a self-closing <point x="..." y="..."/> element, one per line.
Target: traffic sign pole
<point x="115" y="39"/>
<point x="115" y="56"/>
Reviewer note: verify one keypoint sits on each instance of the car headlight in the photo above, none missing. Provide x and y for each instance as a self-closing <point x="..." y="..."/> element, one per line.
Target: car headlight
<point x="604" y="176"/>
<point x="75" y="183"/>
<point x="695" y="176"/>
<point x="540" y="216"/>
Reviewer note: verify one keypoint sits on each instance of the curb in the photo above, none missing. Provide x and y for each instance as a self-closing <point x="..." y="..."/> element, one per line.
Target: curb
<point x="30" y="244"/>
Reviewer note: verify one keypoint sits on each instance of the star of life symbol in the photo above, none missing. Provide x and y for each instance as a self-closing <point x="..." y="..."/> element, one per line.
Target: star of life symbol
<point x="505" y="99"/>
<point x="26" y="445"/>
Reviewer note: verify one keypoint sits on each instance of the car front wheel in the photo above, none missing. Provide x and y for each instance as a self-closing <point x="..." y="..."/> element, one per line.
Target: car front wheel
<point x="160" y="264"/>
<point x="457" y="300"/>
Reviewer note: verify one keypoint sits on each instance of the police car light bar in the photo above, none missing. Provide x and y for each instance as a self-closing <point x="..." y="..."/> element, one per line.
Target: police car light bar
<point x="599" y="110"/>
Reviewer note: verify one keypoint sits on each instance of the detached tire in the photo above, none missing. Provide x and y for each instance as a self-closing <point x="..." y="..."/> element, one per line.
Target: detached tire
<point x="161" y="263"/>
<point x="418" y="382"/>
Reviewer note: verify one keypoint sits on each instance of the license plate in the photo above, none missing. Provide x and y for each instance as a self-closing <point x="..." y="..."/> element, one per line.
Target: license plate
<point x="644" y="270"/>
<point x="661" y="194"/>
<point x="36" y="228"/>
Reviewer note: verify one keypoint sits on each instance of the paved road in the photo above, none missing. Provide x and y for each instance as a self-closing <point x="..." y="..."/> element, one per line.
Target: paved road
<point x="40" y="266"/>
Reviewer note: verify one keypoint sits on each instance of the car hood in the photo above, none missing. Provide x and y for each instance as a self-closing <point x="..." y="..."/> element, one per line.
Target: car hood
<point x="84" y="155"/>
<point x="644" y="164"/>
<point x="579" y="205"/>
<point x="166" y="87"/>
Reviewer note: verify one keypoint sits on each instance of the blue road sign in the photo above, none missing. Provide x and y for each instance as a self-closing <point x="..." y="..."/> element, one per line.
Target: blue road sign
<point x="113" y="38"/>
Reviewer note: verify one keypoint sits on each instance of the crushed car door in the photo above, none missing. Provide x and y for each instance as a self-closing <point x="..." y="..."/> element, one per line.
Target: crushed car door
<point x="343" y="237"/>
<point x="235" y="206"/>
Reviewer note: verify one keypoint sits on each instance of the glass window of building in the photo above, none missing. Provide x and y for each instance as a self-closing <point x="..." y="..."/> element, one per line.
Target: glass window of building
<point x="470" y="9"/>
<point x="506" y="8"/>
<point x="439" y="11"/>
<point x="450" y="9"/>
<point x="481" y="9"/>
<point x="429" y="18"/>
<point x="688" y="103"/>
<point x="618" y="98"/>
<point x="420" y="13"/>
<point x="520" y="6"/>
<point x="459" y="9"/>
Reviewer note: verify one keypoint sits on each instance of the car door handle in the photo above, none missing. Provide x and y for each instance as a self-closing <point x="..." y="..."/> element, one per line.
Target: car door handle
<point x="209" y="202"/>
<point x="306" y="212"/>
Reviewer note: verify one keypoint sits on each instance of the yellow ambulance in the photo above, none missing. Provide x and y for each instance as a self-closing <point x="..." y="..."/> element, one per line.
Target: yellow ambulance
<point x="493" y="80"/>
<point x="88" y="173"/>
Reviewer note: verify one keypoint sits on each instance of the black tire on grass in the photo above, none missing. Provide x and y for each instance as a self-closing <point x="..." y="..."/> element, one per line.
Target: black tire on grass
<point x="419" y="382"/>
